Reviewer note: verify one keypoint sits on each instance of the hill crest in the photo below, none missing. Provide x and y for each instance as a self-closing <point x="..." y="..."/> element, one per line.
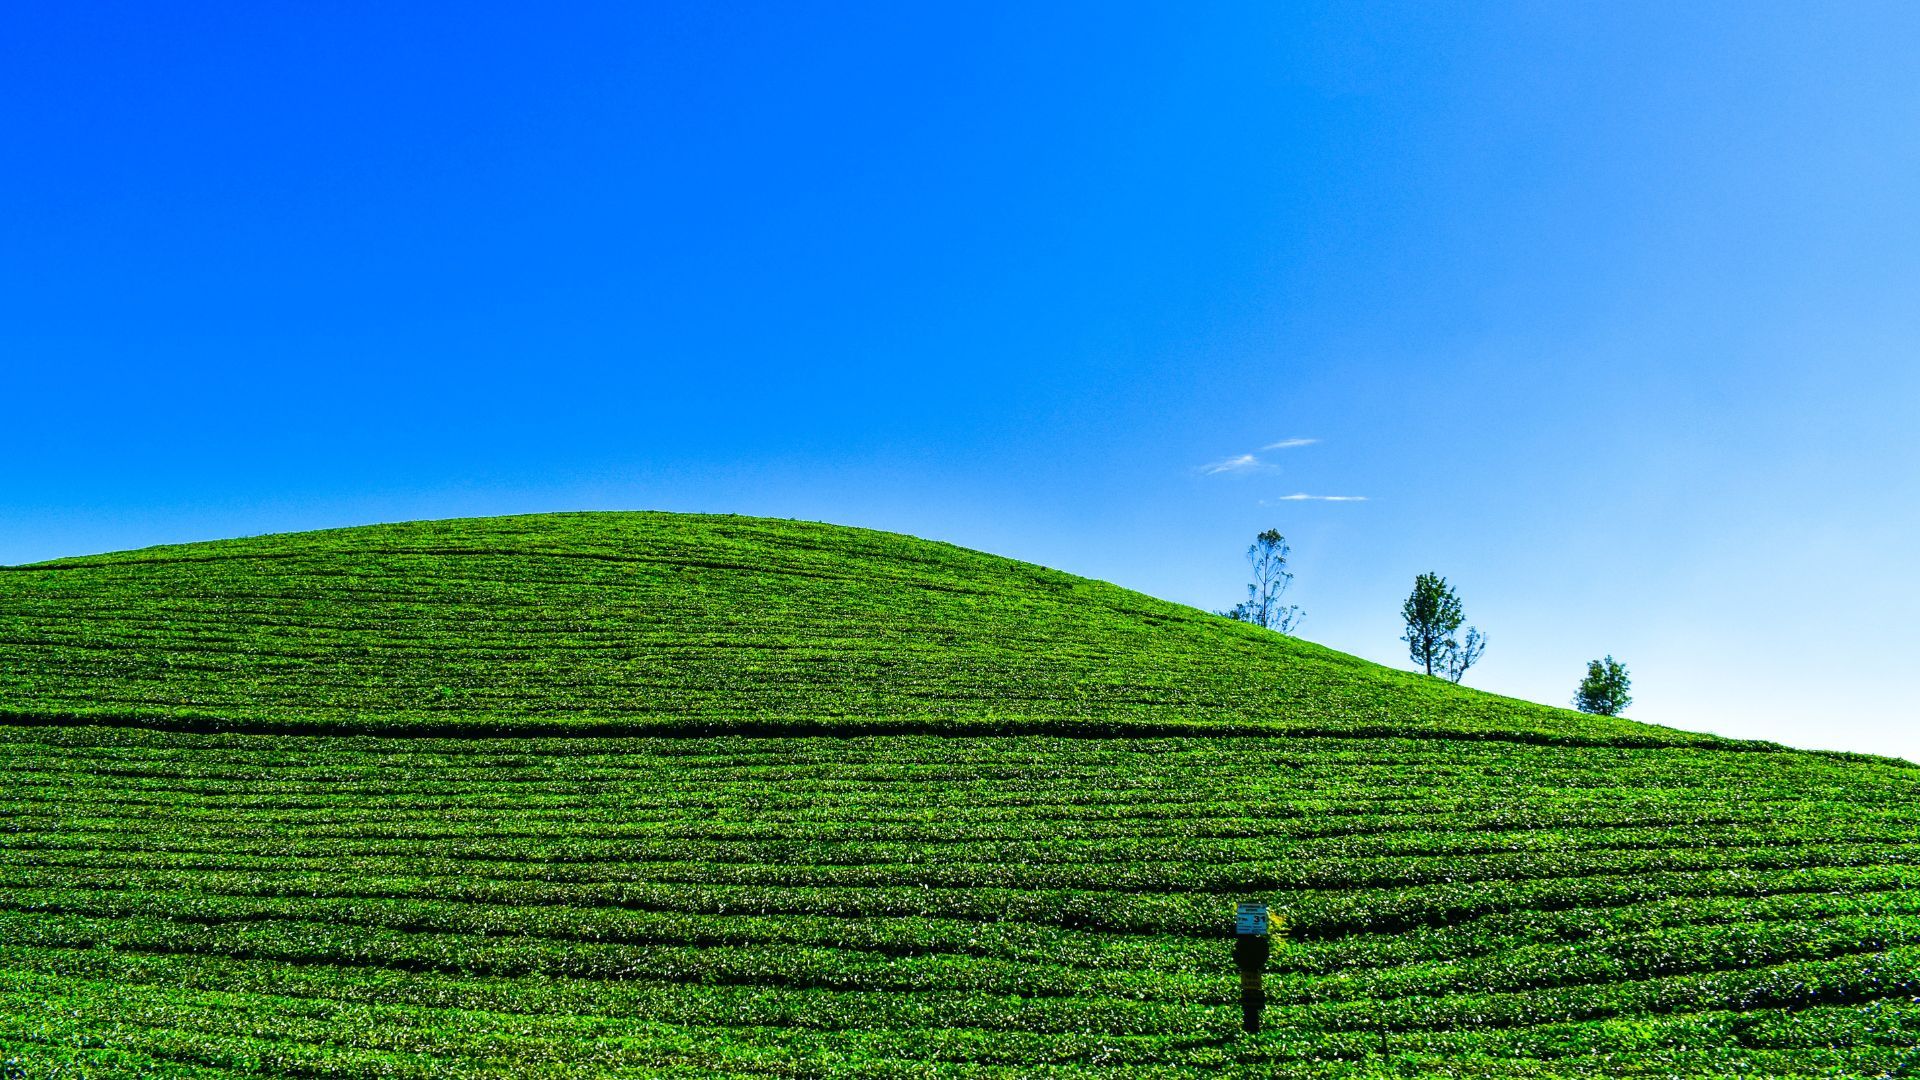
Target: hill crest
<point x="659" y="623"/>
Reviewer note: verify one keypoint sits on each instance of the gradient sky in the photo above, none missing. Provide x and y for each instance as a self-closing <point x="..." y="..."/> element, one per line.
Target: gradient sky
<point x="1608" y="312"/>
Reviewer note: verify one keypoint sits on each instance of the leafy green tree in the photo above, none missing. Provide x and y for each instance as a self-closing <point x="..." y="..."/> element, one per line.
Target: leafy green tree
<point x="1271" y="578"/>
<point x="1604" y="690"/>
<point x="1433" y="614"/>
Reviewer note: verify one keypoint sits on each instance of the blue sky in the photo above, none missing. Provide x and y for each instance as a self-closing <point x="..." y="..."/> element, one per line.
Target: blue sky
<point x="1608" y="313"/>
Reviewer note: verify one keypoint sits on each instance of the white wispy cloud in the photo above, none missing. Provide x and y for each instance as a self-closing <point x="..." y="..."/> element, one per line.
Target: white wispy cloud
<point x="1243" y="463"/>
<point x="1301" y="496"/>
<point x="1289" y="444"/>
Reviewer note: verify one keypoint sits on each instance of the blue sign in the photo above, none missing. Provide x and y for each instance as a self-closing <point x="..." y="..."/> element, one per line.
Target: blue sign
<point x="1251" y="919"/>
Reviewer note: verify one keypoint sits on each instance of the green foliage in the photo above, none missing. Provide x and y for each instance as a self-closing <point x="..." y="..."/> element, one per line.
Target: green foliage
<point x="1604" y="690"/>
<point x="1433" y="615"/>
<point x="753" y="819"/>
<point x="429" y="906"/>
<point x="636" y="623"/>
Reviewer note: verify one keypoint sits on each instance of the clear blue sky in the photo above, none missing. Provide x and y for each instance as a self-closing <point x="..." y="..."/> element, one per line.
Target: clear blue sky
<point x="1610" y="312"/>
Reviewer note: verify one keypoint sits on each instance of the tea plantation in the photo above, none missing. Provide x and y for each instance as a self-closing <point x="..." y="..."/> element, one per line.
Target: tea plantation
<point x="672" y="795"/>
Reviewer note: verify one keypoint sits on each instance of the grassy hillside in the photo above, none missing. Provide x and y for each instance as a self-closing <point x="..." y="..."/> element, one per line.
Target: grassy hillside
<point x="666" y="795"/>
<point x="627" y="623"/>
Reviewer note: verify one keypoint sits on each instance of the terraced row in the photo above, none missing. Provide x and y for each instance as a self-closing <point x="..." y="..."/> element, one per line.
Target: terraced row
<point x="218" y="905"/>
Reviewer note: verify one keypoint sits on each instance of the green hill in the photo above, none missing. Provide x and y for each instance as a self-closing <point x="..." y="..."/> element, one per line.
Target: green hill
<point x="651" y="794"/>
<point x="630" y="623"/>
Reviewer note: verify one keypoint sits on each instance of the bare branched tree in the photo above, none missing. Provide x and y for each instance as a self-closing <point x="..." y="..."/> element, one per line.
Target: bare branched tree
<point x="1465" y="653"/>
<point x="1271" y="578"/>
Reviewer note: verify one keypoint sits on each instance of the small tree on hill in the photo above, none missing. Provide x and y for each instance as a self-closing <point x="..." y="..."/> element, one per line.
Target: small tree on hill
<point x="1268" y="558"/>
<point x="1604" y="690"/>
<point x="1433" y="614"/>
<point x="1466" y="653"/>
